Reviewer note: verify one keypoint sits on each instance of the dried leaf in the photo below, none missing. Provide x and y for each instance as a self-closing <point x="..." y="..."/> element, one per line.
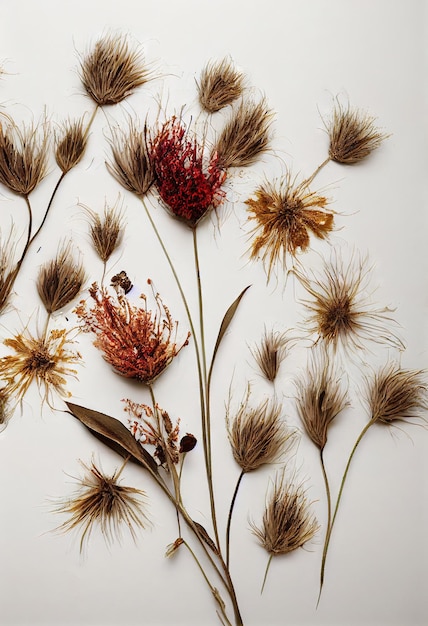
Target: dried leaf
<point x="114" y="434"/>
<point x="205" y="537"/>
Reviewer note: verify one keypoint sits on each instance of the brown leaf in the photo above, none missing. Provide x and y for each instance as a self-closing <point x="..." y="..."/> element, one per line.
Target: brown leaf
<point x="205" y="537"/>
<point x="114" y="434"/>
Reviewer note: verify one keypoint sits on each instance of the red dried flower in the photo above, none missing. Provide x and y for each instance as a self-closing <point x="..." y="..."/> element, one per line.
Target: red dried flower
<point x="137" y="342"/>
<point x="188" y="182"/>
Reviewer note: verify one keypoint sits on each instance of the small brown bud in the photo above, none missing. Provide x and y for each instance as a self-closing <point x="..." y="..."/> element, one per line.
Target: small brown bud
<point x="187" y="443"/>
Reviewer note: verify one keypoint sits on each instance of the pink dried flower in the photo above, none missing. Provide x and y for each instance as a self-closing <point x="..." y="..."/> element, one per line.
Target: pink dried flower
<point x="137" y="342"/>
<point x="188" y="183"/>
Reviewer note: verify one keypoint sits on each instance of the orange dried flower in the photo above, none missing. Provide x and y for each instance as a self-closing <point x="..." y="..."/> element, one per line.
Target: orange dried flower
<point x="137" y="342"/>
<point x="286" y="214"/>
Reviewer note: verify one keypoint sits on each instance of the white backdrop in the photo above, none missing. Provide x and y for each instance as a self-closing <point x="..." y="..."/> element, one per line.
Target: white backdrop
<point x="301" y="55"/>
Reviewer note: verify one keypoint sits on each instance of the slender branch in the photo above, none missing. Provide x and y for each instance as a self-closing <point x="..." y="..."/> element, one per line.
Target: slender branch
<point x="266" y="573"/>
<point x="327" y="488"/>
<point x="229" y="517"/>
<point x="336" y="508"/>
<point x="316" y="172"/>
<point x="61" y="178"/>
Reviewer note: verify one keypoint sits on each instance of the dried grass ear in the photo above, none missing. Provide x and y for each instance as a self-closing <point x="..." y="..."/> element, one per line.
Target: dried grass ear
<point x="219" y="85"/>
<point x="113" y="70"/>
<point x="353" y="135"/>
<point x="106" y="231"/>
<point x="270" y="353"/>
<point x="70" y="145"/>
<point x="60" y="281"/>
<point x="245" y="136"/>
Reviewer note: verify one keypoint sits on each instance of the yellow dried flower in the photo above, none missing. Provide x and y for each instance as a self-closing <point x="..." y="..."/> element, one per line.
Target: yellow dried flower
<point x="220" y="84"/>
<point x="113" y="70"/>
<point x="101" y="501"/>
<point x="353" y="135"/>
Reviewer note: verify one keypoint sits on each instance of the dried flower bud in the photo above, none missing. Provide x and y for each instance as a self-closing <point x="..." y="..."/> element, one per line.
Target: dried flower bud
<point x="258" y="435"/>
<point x="397" y="395"/>
<point x="187" y="443"/>
<point x="112" y="70"/>
<point x="287" y="523"/>
<point x="245" y="137"/>
<point x="220" y="84"/>
<point x="131" y="165"/>
<point x="70" y="145"/>
<point x="271" y="352"/>
<point x="23" y="156"/>
<point x="172" y="548"/>
<point x="353" y="135"/>
<point x="286" y="215"/>
<point x="60" y="281"/>
<point x="100" y="500"/>
<point x="321" y="397"/>
<point x="106" y="231"/>
<point x="121" y="283"/>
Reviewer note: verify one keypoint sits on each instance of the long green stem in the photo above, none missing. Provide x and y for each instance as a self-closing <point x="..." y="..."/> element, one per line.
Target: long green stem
<point x="229" y="517"/>
<point x="336" y="508"/>
<point x="266" y="573"/>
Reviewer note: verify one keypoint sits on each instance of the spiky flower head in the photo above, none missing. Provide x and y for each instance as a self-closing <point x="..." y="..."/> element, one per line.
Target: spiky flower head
<point x="321" y="397"/>
<point x="270" y="352"/>
<point x="394" y="394"/>
<point x="23" y="155"/>
<point x="100" y="500"/>
<point x="131" y="165"/>
<point x="286" y="214"/>
<point x="137" y="342"/>
<point x="353" y="135"/>
<point x="287" y="522"/>
<point x="106" y="231"/>
<point x="245" y="136"/>
<point x="340" y="305"/>
<point x="8" y="269"/>
<point x="59" y="281"/>
<point x="188" y="182"/>
<point x="258" y="435"/>
<point x="113" y="70"/>
<point x="45" y="360"/>
<point x="70" y="145"/>
<point x="220" y="84"/>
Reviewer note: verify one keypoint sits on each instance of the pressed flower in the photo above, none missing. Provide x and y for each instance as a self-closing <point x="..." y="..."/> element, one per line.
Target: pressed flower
<point x="70" y="145"/>
<point x="397" y="395"/>
<point x="121" y="283"/>
<point x="321" y="397"/>
<point x="353" y="135"/>
<point x="220" y="84"/>
<point x="101" y="501"/>
<point x="287" y="522"/>
<point x="245" y="136"/>
<point x="23" y="155"/>
<point x="153" y="426"/>
<point x="113" y="70"/>
<point x="137" y="342"/>
<point x="270" y="353"/>
<point x="187" y="181"/>
<point x="131" y="165"/>
<point x="286" y="214"/>
<point x="258" y="435"/>
<point x="45" y="360"/>
<point x="341" y="309"/>
<point x="106" y="231"/>
<point x="60" y="281"/>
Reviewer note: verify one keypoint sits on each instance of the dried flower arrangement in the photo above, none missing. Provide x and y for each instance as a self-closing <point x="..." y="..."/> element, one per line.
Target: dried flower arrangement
<point x="176" y="165"/>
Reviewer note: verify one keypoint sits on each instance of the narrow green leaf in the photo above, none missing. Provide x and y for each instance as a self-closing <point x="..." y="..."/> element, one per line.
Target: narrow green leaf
<point x="114" y="434"/>
<point x="228" y="317"/>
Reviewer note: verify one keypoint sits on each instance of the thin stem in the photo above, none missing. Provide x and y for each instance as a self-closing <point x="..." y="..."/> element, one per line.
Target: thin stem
<point x="316" y="172"/>
<point x="327" y="488"/>
<point x="266" y="573"/>
<point x="229" y="517"/>
<point x="61" y="178"/>
<point x="336" y="508"/>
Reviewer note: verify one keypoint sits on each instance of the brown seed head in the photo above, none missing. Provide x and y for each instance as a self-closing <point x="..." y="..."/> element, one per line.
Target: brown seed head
<point x="258" y="435"/>
<point x="287" y="522"/>
<point x="285" y="215"/>
<point x="7" y="268"/>
<point x="353" y="135"/>
<point x="60" y="281"/>
<point x="131" y="165"/>
<point x="270" y="353"/>
<point x="397" y="395"/>
<point x="220" y="84"/>
<point x="100" y="501"/>
<point x="321" y="397"/>
<point x="113" y="70"/>
<point x="342" y="313"/>
<point x="106" y="231"/>
<point x="23" y="155"/>
<point x="70" y="145"/>
<point x="246" y="135"/>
